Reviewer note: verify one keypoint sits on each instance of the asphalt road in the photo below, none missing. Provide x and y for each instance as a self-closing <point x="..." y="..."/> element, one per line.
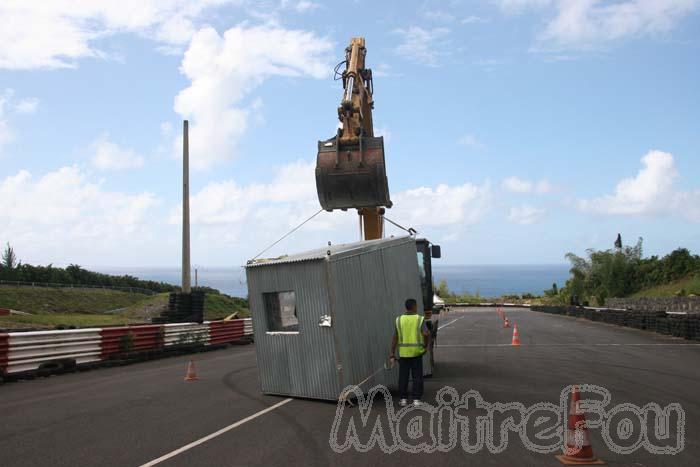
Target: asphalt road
<point x="135" y="414"/>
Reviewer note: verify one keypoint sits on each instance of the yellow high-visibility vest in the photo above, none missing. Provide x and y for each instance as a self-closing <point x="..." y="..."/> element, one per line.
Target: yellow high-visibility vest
<point x="410" y="337"/>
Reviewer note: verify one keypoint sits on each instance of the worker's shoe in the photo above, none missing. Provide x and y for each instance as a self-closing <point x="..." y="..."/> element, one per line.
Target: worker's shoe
<point x="403" y="402"/>
<point x="417" y="403"/>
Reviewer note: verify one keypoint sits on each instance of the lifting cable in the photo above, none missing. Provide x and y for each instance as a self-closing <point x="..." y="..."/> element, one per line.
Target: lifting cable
<point x="286" y="235"/>
<point x="410" y="230"/>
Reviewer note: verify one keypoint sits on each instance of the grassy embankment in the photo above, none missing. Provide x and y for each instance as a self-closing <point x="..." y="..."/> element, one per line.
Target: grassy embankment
<point x="688" y="286"/>
<point x="52" y="307"/>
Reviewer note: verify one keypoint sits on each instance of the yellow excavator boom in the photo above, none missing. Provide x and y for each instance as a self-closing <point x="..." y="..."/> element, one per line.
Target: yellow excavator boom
<point x="350" y="167"/>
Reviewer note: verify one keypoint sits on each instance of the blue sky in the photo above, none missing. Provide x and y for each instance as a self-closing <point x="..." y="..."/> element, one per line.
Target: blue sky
<point x="516" y="130"/>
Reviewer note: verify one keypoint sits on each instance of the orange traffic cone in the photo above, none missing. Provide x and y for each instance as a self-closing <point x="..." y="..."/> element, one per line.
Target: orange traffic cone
<point x="578" y="450"/>
<point x="516" y="336"/>
<point x="191" y="373"/>
<point x="506" y="324"/>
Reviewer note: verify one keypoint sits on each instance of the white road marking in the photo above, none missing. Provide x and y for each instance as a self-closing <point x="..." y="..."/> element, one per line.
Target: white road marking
<point x="215" y="434"/>
<point x="445" y="325"/>
<point x="680" y="344"/>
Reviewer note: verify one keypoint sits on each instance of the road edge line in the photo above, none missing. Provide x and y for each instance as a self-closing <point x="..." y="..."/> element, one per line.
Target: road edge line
<point x="445" y="325"/>
<point x="223" y="430"/>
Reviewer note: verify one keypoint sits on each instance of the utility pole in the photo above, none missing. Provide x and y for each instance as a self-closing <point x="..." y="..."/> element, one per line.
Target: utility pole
<point x="186" y="282"/>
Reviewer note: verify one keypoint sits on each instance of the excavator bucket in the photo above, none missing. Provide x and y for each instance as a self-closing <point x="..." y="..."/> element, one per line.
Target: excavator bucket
<point x="352" y="176"/>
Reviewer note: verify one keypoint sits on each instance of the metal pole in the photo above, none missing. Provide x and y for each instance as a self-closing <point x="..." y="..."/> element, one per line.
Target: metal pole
<point x="186" y="282"/>
<point x="360" y="216"/>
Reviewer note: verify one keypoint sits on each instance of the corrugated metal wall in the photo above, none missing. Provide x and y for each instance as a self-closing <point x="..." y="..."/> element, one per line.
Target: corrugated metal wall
<point x="363" y="290"/>
<point x="300" y="364"/>
<point x="372" y="289"/>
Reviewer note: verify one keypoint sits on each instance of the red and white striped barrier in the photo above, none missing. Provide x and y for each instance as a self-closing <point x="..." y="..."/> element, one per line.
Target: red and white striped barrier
<point x="27" y="351"/>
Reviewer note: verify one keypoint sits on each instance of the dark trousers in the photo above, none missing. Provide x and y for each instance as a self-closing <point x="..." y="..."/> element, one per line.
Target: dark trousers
<point x="414" y="366"/>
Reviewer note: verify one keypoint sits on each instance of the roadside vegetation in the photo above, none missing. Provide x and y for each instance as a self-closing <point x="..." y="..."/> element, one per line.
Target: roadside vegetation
<point x="53" y="307"/>
<point x="76" y="299"/>
<point x="618" y="272"/>
<point x="12" y="269"/>
<point x="624" y="272"/>
<point x="688" y="286"/>
<point x="219" y="306"/>
<point x="49" y="300"/>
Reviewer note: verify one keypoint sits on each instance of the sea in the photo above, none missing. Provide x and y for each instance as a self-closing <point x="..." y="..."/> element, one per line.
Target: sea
<point x="486" y="280"/>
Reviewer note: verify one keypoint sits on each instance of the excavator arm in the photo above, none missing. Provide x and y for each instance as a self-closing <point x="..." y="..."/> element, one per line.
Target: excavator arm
<point x="350" y="167"/>
<point x="355" y="110"/>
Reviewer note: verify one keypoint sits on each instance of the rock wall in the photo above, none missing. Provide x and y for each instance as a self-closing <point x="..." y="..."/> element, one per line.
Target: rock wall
<point x="669" y="304"/>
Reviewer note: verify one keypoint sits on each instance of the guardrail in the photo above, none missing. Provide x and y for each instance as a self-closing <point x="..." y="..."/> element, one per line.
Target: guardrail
<point x="23" y="352"/>
<point x="32" y="350"/>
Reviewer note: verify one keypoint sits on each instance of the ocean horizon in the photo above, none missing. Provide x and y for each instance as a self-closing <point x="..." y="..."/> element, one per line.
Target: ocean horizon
<point x="487" y="280"/>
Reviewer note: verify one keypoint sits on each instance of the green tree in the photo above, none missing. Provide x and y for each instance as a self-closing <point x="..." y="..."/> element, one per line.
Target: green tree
<point x="9" y="258"/>
<point x="442" y="291"/>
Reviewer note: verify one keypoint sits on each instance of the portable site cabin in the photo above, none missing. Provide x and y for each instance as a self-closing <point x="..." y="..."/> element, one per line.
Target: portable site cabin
<point x="323" y="319"/>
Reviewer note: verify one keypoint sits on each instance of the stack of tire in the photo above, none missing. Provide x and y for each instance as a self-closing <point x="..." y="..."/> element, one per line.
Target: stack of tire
<point x="678" y="325"/>
<point x="650" y="318"/>
<point x="617" y="317"/>
<point x="595" y="315"/>
<point x="662" y="325"/>
<point x="183" y="308"/>
<point x="575" y="312"/>
<point x="686" y="326"/>
<point x="694" y="326"/>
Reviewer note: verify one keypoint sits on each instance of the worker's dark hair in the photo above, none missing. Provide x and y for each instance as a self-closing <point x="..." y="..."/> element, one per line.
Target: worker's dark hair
<point x="411" y="303"/>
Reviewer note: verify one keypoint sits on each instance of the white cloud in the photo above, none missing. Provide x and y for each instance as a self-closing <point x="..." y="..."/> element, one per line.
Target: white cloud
<point x="652" y="192"/>
<point x="10" y="106"/>
<point x="442" y="208"/>
<point x="257" y="214"/>
<point x="63" y="212"/>
<point x="543" y="186"/>
<point x="225" y="213"/>
<point x="425" y="46"/>
<point x="6" y="134"/>
<point x="110" y="156"/>
<point x="224" y="70"/>
<point x="228" y="202"/>
<point x="28" y="105"/>
<point x="517" y="6"/>
<point x="440" y="16"/>
<point x="525" y="214"/>
<point x="519" y="185"/>
<point x="473" y="20"/>
<point x="56" y="33"/>
<point x="306" y="5"/>
<point x="470" y="141"/>
<point x="584" y="24"/>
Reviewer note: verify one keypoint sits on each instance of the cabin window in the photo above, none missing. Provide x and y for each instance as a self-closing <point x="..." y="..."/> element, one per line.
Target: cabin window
<point x="281" y="311"/>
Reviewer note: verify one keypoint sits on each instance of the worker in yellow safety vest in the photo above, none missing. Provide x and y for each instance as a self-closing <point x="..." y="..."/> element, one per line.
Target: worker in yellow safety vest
<point x="412" y="338"/>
